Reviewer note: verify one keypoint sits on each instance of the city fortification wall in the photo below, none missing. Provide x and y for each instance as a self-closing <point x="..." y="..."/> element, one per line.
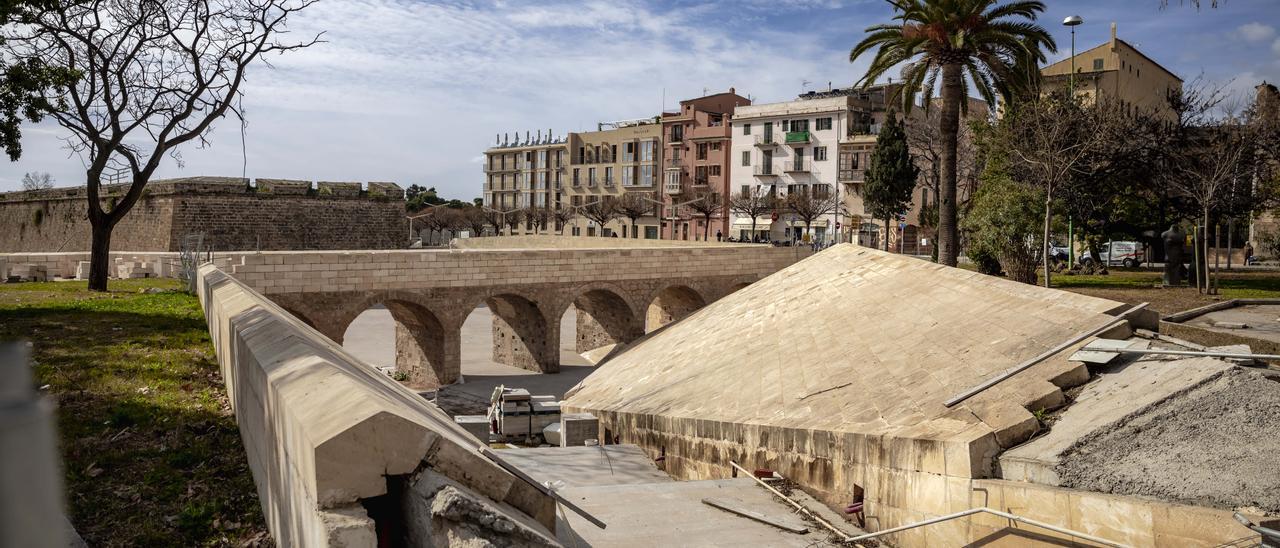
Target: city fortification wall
<point x="232" y="213"/>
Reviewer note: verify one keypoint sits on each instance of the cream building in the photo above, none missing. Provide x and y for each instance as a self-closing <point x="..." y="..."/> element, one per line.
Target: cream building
<point x="605" y="165"/>
<point x="1117" y="70"/>
<point x="523" y="173"/>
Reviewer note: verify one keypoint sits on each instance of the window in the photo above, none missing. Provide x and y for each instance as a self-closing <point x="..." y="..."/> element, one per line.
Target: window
<point x="1097" y="64"/>
<point x="628" y="176"/>
<point x="824" y="123"/>
<point x="613" y="153"/>
<point x="821" y="191"/>
<point x="582" y="155"/>
<point x="677" y="133"/>
<point x="715" y="145"/>
<point x="608" y="174"/>
<point x="700" y="175"/>
<point x="646" y="175"/>
<point x="702" y="151"/>
<point x="646" y="150"/>
<point x="746" y="190"/>
<point x="799" y="125"/>
<point x="591" y="176"/>
<point x="924" y="198"/>
<point x="746" y="157"/>
<point x="542" y="158"/>
<point x="650" y="232"/>
<point x="629" y="152"/>
<point x="715" y="120"/>
<point x="715" y="171"/>
<point x="819" y="154"/>
<point x="576" y="179"/>
<point x="746" y="129"/>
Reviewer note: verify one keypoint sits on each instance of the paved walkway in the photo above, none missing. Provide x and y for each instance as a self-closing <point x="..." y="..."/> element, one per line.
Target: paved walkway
<point x="371" y="337"/>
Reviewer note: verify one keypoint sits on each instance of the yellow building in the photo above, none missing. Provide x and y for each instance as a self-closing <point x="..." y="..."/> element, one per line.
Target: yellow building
<point x="605" y="164"/>
<point x="524" y="173"/>
<point x="1116" y="70"/>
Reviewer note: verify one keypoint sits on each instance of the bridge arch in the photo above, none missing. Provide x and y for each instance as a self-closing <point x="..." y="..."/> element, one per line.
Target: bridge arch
<point x="605" y="317"/>
<point x="671" y="303"/>
<point x="426" y="351"/>
<point x="523" y="336"/>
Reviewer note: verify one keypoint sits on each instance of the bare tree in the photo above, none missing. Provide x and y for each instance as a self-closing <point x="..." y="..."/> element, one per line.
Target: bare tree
<point x="601" y="211"/>
<point x="562" y="215"/>
<point x="752" y="203"/>
<point x="705" y="204"/>
<point x="512" y="219"/>
<point x="810" y="202"/>
<point x="495" y="219"/>
<point x="152" y="76"/>
<point x="1048" y="139"/>
<point x="633" y="206"/>
<point x="37" y="180"/>
<point x="536" y="218"/>
<point x="477" y="219"/>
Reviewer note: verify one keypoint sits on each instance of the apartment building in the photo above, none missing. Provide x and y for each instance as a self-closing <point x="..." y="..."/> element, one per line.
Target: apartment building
<point x="620" y="158"/>
<point x="788" y="148"/>
<point x="528" y="172"/>
<point x="696" y="149"/>
<point x="1117" y="70"/>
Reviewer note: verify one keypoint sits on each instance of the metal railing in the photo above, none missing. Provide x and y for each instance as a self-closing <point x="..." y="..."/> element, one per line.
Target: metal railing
<point x="799" y="167"/>
<point x="671" y="188"/>
<point x="768" y="140"/>
<point x="765" y="170"/>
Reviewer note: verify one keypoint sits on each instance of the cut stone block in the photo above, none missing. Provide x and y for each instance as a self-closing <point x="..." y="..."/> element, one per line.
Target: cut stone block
<point x="27" y="272"/>
<point x="577" y="428"/>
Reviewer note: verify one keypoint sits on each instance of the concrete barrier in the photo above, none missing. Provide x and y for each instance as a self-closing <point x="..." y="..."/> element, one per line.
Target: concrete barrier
<point x="329" y="437"/>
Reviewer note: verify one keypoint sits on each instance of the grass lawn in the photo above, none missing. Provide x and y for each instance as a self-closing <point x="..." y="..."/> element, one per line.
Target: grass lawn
<point x="151" y="454"/>
<point x="1138" y="285"/>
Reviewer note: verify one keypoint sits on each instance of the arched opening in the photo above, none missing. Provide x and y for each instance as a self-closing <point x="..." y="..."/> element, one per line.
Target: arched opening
<point x="405" y="339"/>
<point x="520" y="334"/>
<point x="603" y="323"/>
<point x="301" y="317"/>
<point x="672" y="304"/>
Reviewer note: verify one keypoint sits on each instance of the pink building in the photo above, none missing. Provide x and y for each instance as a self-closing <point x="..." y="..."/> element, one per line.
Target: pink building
<point x="695" y="161"/>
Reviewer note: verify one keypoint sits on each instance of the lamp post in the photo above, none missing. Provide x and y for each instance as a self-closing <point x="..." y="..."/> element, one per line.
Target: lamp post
<point x="1071" y="21"/>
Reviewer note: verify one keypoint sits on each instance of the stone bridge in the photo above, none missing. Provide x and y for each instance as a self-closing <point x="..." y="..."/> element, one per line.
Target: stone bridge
<point x="621" y="290"/>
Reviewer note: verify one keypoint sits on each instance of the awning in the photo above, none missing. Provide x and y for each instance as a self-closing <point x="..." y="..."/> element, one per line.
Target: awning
<point x="745" y="224"/>
<point x="817" y="223"/>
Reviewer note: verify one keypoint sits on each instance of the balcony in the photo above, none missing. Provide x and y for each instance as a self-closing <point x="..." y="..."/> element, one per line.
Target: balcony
<point x="765" y="170"/>
<point x="672" y="189"/>
<point x="798" y="138"/>
<point x="676" y="138"/>
<point x="607" y="181"/>
<point x="795" y="168"/>
<point x="674" y="163"/>
<point x="853" y="176"/>
<point x="767" y="140"/>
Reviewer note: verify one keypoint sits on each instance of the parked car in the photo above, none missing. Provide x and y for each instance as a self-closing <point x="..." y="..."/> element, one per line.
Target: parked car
<point x="1058" y="252"/>
<point x="1128" y="254"/>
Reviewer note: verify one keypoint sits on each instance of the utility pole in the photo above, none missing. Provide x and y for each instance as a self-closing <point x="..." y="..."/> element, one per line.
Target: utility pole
<point x="1072" y="22"/>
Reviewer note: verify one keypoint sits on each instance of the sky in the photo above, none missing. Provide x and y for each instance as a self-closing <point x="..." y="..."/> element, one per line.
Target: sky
<point x="414" y="91"/>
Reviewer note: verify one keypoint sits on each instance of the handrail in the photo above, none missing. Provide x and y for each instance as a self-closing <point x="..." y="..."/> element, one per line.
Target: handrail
<point x="1006" y="515"/>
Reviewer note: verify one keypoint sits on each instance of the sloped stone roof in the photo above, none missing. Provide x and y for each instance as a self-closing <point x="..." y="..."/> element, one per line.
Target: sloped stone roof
<point x="851" y="339"/>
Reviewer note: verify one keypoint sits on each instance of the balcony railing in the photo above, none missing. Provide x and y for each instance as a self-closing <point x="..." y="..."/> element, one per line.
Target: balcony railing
<point x="766" y="140"/>
<point x="765" y="170"/>
<point x="798" y="138"/>
<point x="853" y="176"/>
<point x="674" y="163"/>
<point x="607" y="181"/>
<point x="799" y="168"/>
<point x="592" y="182"/>
<point x="672" y="189"/>
<point x="676" y="138"/>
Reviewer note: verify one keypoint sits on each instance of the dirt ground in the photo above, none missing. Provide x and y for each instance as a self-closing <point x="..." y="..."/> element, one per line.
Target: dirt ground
<point x="1141" y="285"/>
<point x="1213" y="446"/>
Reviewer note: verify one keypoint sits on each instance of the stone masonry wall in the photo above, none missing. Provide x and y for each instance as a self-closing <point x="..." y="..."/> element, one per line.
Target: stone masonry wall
<point x="271" y="214"/>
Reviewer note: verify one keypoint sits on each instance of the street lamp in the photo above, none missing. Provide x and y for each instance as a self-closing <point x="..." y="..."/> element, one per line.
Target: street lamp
<point x="1072" y="21"/>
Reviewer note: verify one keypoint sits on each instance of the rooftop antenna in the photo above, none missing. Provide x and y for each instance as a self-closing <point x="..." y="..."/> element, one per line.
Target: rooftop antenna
<point x="804" y="84"/>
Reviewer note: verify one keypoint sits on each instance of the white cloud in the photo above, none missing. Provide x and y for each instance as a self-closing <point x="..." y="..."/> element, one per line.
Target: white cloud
<point x="412" y="92"/>
<point x="1256" y="32"/>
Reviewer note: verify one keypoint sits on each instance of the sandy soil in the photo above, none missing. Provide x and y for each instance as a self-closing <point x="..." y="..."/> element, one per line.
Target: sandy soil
<point x="1215" y="446"/>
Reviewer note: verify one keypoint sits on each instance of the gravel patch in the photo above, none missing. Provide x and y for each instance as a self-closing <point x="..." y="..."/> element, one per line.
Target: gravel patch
<point x="1213" y="445"/>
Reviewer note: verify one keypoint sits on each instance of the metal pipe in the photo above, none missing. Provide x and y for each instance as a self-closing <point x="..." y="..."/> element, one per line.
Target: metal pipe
<point x="1006" y="515"/>
<point x="1207" y="354"/>
<point x="546" y="490"/>
<point x="1043" y="356"/>
<point x="843" y="536"/>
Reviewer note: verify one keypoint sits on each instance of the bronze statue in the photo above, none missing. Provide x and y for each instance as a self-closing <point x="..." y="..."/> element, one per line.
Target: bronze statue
<point x="1174" y="239"/>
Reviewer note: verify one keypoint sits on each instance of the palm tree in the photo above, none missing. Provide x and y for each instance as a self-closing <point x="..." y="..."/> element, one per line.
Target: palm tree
<point x="997" y="46"/>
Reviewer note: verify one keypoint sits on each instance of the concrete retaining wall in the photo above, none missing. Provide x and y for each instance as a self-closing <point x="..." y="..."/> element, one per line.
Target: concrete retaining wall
<point x="325" y="433"/>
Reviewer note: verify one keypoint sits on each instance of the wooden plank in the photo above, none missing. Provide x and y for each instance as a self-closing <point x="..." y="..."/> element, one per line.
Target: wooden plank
<point x="738" y="507"/>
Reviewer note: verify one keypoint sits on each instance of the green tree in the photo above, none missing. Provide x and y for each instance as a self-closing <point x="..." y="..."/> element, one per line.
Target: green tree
<point x="1002" y="223"/>
<point x="891" y="178"/>
<point x="998" y="46"/>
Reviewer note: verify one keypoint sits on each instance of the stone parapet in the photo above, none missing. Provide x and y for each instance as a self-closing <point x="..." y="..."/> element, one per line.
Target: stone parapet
<point x="217" y="185"/>
<point x="325" y="432"/>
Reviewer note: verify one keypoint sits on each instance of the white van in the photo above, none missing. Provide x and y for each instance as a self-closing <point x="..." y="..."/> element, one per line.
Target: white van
<point x="1128" y="254"/>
